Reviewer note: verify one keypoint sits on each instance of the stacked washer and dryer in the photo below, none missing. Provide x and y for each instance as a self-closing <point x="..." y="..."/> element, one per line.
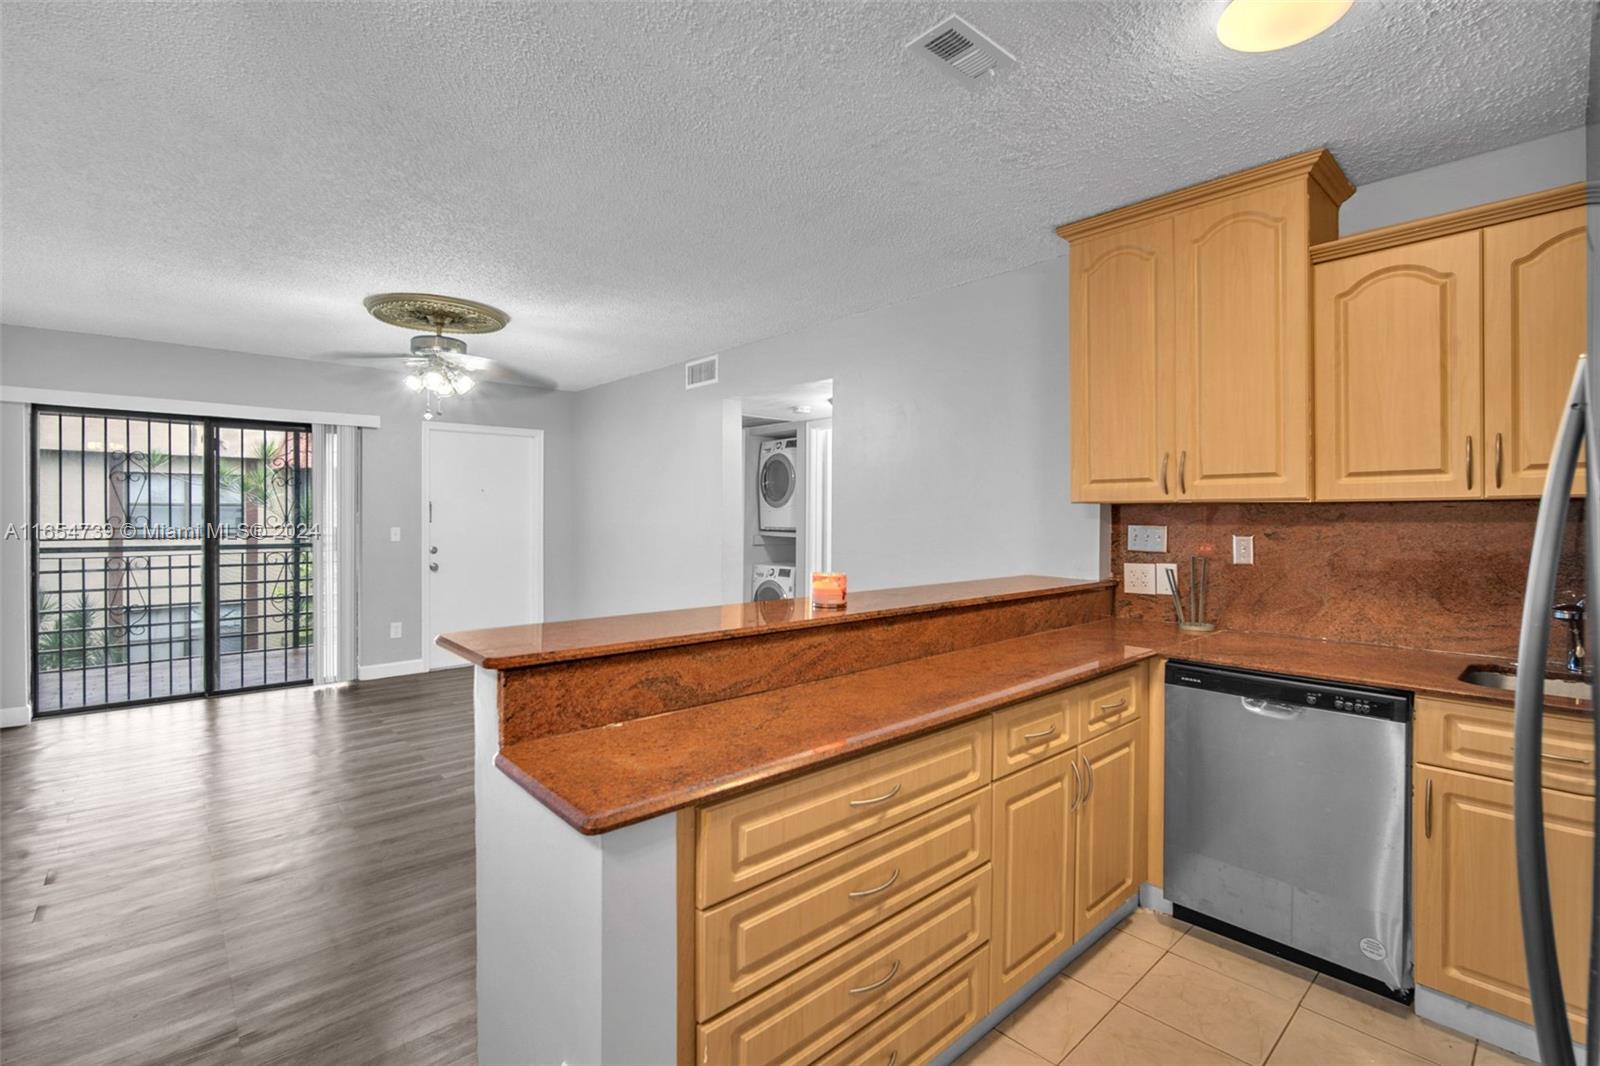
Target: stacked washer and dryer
<point x="777" y="485"/>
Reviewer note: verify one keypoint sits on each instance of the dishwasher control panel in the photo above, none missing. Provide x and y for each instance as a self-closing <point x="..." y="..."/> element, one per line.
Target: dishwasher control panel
<point x="1295" y="691"/>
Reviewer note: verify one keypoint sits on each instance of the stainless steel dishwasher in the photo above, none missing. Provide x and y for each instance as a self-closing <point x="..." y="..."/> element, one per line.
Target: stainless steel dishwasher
<point x="1287" y="814"/>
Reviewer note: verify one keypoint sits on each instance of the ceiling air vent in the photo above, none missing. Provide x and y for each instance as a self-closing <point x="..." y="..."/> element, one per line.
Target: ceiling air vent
<point x="700" y="372"/>
<point x="962" y="52"/>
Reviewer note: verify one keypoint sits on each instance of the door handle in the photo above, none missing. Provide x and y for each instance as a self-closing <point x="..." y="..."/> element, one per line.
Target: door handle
<point x="1164" y="457"/>
<point x="434" y="567"/>
<point x="1077" y="784"/>
<point x="1469" y="462"/>
<point x="1183" y="466"/>
<point x="1499" y="459"/>
<point x="1266" y="709"/>
<point x="1088" y="777"/>
<point x="1427" y="810"/>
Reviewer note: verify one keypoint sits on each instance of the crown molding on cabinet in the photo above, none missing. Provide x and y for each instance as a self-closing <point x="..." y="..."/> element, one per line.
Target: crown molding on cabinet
<point x="1318" y="163"/>
<point x="1558" y="199"/>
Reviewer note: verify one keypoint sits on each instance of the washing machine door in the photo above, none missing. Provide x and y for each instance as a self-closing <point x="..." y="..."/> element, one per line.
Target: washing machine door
<point x="769" y="590"/>
<point x="777" y="479"/>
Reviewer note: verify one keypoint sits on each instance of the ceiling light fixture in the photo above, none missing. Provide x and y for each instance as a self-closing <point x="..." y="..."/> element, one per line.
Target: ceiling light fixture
<point x="1268" y="25"/>
<point x="436" y="367"/>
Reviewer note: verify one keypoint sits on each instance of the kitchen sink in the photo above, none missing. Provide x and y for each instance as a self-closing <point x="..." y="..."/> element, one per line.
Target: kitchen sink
<point x="1574" y="688"/>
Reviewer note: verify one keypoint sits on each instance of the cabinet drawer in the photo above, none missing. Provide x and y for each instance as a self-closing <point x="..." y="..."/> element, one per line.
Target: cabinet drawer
<point x="1034" y="730"/>
<point x="1477" y="739"/>
<point x="801" y="1017"/>
<point x="766" y="934"/>
<point x="916" y="1031"/>
<point x="748" y="841"/>
<point x="1107" y="702"/>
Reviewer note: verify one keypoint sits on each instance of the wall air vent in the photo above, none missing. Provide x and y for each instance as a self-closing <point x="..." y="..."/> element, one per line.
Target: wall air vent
<point x="958" y="49"/>
<point x="700" y="372"/>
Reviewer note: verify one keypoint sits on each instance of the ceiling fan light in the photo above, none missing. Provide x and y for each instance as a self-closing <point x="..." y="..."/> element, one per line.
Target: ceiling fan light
<point x="1268" y="25"/>
<point x="463" y="383"/>
<point x="414" y="382"/>
<point x="434" y="381"/>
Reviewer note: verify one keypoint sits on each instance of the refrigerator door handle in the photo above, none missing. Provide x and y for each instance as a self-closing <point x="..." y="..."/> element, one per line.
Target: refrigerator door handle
<point x="1533" y="880"/>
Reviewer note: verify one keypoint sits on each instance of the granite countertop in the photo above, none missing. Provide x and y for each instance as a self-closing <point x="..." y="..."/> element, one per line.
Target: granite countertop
<point x="608" y="777"/>
<point x="508" y="647"/>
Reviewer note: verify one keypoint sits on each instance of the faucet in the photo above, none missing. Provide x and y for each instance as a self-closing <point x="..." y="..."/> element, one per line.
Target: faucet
<point x="1572" y="614"/>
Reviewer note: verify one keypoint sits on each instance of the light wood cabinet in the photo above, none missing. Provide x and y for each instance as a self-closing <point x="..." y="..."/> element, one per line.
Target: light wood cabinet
<point x="1243" y="343"/>
<point x="1400" y="373"/>
<point x="1190" y="337"/>
<point x="1111" y="825"/>
<point x="1468" y="939"/>
<point x="1476" y="739"/>
<point x="1034" y="730"/>
<point x="1107" y="702"/>
<point x="1534" y="312"/>
<point x="928" y="1021"/>
<point x="1121" y="330"/>
<point x="1034" y="854"/>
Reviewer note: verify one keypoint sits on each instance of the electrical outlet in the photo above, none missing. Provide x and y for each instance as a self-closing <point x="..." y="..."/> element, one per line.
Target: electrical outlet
<point x="394" y="534"/>
<point x="1244" y="550"/>
<point x="394" y="630"/>
<point x="1164" y="573"/>
<point x="1147" y="538"/>
<point x="1139" y="578"/>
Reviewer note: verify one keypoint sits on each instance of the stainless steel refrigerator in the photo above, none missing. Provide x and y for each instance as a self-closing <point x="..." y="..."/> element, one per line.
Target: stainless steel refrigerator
<point x="1580" y="429"/>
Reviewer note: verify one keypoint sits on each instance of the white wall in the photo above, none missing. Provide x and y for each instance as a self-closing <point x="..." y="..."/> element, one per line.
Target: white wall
<point x="391" y="480"/>
<point x="950" y="450"/>
<point x="1477" y="179"/>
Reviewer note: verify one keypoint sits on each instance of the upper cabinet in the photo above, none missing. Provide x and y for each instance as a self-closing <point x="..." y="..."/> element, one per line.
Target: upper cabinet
<point x="1533" y="324"/>
<point x="1445" y="349"/>
<point x="1399" y="373"/>
<point x="1191" y="338"/>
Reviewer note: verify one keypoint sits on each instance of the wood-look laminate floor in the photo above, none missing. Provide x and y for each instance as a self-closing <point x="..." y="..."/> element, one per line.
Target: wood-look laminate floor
<point x="276" y="877"/>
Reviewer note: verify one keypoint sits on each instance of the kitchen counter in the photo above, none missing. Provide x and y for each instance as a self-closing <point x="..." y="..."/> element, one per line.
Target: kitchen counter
<point x="602" y="778"/>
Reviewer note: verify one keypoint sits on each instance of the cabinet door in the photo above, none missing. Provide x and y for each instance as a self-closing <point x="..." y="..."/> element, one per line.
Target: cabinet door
<point x="1111" y="824"/>
<point x="1243" y="343"/>
<point x="1399" y="373"/>
<point x="1534" y="313"/>
<point x="1121" y="365"/>
<point x="1033" y="854"/>
<point x="1468" y="938"/>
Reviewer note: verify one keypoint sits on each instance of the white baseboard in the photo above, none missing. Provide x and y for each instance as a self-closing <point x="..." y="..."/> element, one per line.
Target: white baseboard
<point x="14" y="716"/>
<point x="1508" y="1034"/>
<point x="374" y="671"/>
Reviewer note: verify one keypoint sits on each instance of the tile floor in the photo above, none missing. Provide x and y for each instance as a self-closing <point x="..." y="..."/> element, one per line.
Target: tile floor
<point x="1159" y="992"/>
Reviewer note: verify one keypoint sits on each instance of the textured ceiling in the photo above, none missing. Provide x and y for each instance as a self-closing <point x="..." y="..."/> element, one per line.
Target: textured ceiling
<point x="639" y="184"/>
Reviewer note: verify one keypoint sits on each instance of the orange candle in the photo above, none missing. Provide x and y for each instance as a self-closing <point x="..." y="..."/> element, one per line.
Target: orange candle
<point x="827" y="590"/>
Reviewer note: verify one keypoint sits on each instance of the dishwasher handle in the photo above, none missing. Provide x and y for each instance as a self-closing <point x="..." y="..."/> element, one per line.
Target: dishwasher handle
<point x="1270" y="708"/>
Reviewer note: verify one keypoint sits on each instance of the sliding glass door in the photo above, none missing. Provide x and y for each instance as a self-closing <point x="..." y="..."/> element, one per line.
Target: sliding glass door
<point x="171" y="557"/>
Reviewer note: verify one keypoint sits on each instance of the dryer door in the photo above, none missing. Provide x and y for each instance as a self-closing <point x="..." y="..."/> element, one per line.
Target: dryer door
<point x="777" y="479"/>
<point x="770" y="590"/>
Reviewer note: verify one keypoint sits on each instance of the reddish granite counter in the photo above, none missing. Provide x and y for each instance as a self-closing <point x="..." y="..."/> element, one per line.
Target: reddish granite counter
<point x="508" y="647"/>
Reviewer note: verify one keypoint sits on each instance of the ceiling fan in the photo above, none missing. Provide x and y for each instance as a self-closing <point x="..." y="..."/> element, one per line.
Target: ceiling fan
<point x="439" y="366"/>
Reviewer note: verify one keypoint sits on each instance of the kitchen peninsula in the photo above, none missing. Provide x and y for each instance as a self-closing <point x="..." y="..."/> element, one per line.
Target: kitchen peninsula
<point x="768" y="832"/>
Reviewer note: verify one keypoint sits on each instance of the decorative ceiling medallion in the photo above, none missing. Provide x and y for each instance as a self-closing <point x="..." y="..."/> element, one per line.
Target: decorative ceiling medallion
<point x="436" y="314"/>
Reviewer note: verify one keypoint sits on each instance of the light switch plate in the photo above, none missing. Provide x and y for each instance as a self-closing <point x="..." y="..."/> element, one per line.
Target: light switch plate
<point x="394" y="534"/>
<point x="1147" y="538"/>
<point x="1162" y="570"/>
<point x="1244" y="550"/>
<point x="394" y="630"/>
<point x="1139" y="578"/>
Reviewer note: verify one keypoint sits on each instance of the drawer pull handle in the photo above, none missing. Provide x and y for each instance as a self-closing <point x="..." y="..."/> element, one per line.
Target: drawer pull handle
<point x="894" y="1057"/>
<point x="863" y="893"/>
<point x="886" y="797"/>
<point x="1117" y="706"/>
<point x="1039" y="734"/>
<point x="1565" y="758"/>
<point x="874" y="986"/>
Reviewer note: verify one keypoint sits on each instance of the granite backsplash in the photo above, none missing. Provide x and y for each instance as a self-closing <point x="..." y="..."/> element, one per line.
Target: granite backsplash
<point x="1443" y="576"/>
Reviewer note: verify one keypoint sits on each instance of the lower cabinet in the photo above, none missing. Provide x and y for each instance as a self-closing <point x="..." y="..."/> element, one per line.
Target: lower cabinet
<point x="1111" y="825"/>
<point x="1034" y="854"/>
<point x="1468" y="937"/>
